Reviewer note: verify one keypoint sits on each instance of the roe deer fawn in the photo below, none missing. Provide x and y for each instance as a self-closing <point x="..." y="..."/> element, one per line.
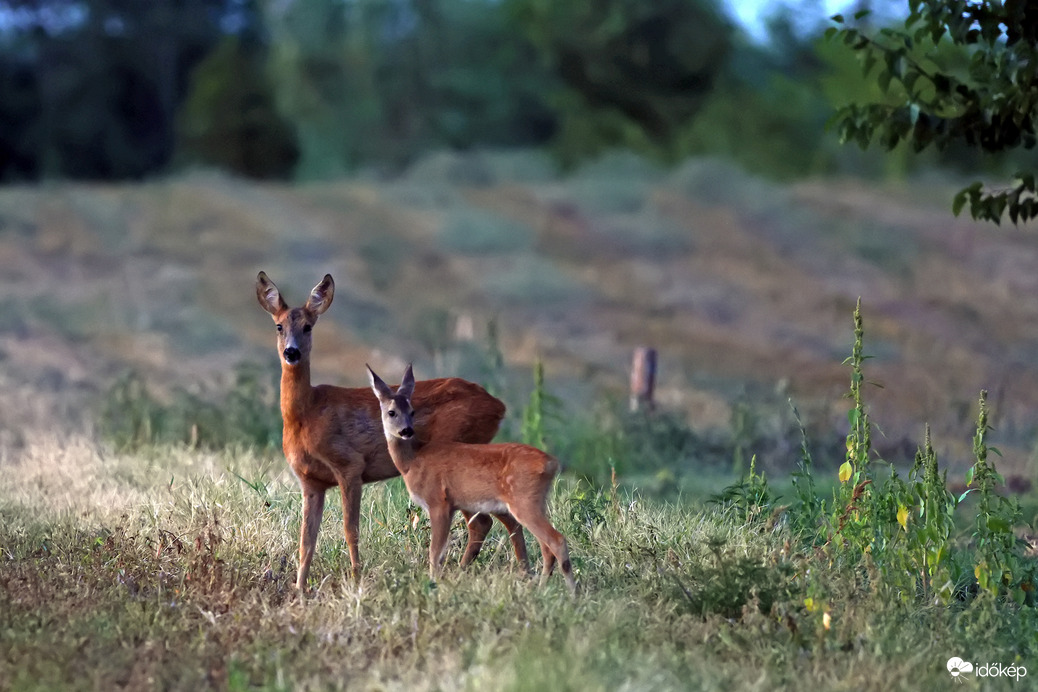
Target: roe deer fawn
<point x="333" y="435"/>
<point x="444" y="476"/>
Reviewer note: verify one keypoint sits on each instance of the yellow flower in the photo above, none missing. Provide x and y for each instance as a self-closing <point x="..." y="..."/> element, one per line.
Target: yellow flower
<point x="902" y="516"/>
<point x="826" y="620"/>
<point x="809" y="603"/>
<point x="845" y="472"/>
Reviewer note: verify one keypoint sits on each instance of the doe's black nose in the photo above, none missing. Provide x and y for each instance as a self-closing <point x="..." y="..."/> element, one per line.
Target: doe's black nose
<point x="407" y="433"/>
<point x="292" y="355"/>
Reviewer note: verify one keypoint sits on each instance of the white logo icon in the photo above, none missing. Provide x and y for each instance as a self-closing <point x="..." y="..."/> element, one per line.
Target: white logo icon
<point x="956" y="666"/>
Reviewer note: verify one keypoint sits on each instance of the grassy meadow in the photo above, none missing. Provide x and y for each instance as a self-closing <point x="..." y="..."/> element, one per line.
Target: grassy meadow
<point x="172" y="569"/>
<point x="777" y="523"/>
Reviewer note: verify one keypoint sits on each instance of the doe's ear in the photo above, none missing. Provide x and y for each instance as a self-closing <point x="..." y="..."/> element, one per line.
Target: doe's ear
<point x="407" y="384"/>
<point x="268" y="295"/>
<point x="321" y="295"/>
<point x="381" y="389"/>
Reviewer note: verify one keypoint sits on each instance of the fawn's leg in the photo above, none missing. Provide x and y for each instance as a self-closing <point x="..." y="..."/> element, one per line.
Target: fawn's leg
<point x="478" y="526"/>
<point x="440" y="524"/>
<point x="515" y="532"/>
<point x="553" y="544"/>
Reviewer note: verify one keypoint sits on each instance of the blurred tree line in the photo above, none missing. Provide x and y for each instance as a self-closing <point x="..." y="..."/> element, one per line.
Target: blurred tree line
<point x="305" y="89"/>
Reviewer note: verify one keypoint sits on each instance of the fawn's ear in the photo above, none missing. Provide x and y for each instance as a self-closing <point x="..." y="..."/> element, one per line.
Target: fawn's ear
<point x="268" y="295"/>
<point x="321" y="296"/>
<point x="407" y="384"/>
<point x="381" y="389"/>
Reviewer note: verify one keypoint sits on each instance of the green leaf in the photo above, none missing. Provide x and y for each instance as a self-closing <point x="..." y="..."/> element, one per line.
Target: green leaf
<point x="883" y="80"/>
<point x="868" y="63"/>
<point x="969" y="476"/>
<point x="999" y="525"/>
<point x="909" y="81"/>
<point x="959" y="202"/>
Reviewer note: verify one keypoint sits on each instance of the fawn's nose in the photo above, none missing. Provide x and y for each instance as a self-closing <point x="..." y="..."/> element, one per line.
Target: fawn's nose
<point x="407" y="433"/>
<point x="292" y="355"/>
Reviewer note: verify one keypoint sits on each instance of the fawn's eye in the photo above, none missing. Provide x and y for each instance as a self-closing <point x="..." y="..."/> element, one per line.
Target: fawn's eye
<point x="306" y="329"/>
<point x="391" y="414"/>
<point x="280" y="328"/>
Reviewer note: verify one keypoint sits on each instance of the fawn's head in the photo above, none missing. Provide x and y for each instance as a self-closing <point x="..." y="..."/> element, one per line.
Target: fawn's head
<point x="294" y="325"/>
<point x="397" y="413"/>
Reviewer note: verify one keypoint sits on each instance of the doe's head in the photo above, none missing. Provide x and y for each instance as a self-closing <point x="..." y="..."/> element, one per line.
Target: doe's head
<point x="294" y="325"/>
<point x="397" y="412"/>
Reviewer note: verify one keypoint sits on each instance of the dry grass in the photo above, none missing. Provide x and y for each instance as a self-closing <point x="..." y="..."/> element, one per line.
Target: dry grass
<point x="172" y="569"/>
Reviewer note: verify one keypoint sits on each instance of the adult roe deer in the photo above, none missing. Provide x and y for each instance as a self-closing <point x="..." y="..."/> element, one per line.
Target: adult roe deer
<point x="333" y="435"/>
<point x="444" y="476"/>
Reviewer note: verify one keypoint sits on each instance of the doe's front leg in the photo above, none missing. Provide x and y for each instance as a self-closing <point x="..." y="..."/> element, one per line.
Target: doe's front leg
<point x="313" y="510"/>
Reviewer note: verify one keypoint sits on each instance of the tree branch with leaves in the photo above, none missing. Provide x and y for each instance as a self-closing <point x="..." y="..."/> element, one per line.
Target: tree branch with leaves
<point x="961" y="72"/>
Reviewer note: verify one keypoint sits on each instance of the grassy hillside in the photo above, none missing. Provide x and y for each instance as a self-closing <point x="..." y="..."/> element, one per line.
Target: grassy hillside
<point x="745" y="287"/>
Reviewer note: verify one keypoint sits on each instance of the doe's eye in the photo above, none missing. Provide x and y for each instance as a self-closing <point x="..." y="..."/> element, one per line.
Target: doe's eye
<point x="391" y="414"/>
<point x="280" y="328"/>
<point x="306" y="328"/>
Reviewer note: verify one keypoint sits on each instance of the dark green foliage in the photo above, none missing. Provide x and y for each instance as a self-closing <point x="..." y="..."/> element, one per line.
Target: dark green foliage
<point x="660" y="440"/>
<point x="630" y="73"/>
<point x="585" y="509"/>
<point x="251" y="408"/>
<point x="719" y="577"/>
<point x="246" y="415"/>
<point x="96" y="97"/>
<point x="957" y="72"/>
<point x="999" y="566"/>
<point x="749" y="497"/>
<point x="321" y="88"/>
<point x="597" y="444"/>
<point x="768" y="109"/>
<point x="542" y="406"/>
<point x="229" y="118"/>
<point x="374" y="82"/>
<point x="808" y="510"/>
<point x="855" y="502"/>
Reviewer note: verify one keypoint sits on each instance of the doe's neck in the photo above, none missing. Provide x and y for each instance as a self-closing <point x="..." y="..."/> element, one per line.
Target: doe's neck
<point x="296" y="392"/>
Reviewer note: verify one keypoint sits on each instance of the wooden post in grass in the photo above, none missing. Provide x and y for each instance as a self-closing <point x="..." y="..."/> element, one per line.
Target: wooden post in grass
<point x="643" y="379"/>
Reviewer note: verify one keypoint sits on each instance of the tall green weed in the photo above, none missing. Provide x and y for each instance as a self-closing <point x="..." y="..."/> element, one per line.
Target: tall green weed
<point x="247" y="414"/>
<point x="898" y="534"/>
